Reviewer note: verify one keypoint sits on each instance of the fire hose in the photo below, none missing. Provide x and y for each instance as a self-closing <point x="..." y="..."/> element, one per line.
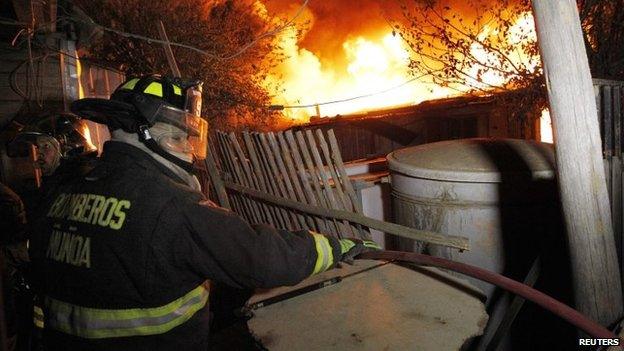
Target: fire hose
<point x="562" y="310"/>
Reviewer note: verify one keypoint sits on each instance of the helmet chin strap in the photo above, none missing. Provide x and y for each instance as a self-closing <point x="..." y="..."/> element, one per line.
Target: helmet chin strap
<point x="146" y="138"/>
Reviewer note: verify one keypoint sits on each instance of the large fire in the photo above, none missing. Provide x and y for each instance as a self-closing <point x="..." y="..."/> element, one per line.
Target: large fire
<point x="371" y="67"/>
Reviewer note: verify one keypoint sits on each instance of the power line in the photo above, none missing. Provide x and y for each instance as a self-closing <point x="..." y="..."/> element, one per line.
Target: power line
<point x="193" y="48"/>
<point x="282" y="107"/>
<point x="238" y="53"/>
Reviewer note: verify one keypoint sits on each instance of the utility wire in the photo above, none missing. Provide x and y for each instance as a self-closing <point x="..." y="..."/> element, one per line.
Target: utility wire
<point x="193" y="48"/>
<point x="238" y="53"/>
<point x="282" y="107"/>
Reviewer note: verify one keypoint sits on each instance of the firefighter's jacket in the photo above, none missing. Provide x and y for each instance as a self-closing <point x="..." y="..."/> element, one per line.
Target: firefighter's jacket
<point x="122" y="255"/>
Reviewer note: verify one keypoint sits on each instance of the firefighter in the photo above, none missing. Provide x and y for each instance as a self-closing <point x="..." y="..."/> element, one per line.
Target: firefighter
<point x="123" y="255"/>
<point x="12" y="257"/>
<point x="63" y="148"/>
<point x="63" y="151"/>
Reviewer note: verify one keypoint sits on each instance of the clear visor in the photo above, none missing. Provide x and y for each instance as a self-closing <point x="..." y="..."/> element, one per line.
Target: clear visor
<point x="187" y="136"/>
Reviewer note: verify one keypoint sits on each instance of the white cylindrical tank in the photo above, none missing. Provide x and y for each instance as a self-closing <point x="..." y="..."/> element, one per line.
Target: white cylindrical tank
<point x="499" y="193"/>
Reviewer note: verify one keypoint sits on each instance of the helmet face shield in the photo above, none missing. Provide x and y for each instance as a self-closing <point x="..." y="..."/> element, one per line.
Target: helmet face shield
<point x="181" y="133"/>
<point x="170" y="108"/>
<point x="198" y="140"/>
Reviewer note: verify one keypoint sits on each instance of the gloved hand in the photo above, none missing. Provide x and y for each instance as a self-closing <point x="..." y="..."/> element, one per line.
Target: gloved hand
<point x="349" y="248"/>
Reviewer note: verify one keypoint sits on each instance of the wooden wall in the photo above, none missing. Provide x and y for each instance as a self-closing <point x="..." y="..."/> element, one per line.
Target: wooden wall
<point x="610" y="103"/>
<point x="378" y="133"/>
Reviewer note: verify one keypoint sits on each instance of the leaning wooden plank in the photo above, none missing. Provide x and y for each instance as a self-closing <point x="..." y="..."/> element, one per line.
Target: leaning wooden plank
<point x="335" y="228"/>
<point x="283" y="175"/>
<point x="292" y="175"/>
<point x="617" y="121"/>
<point x="280" y="214"/>
<point x="580" y="175"/>
<point x="335" y="149"/>
<point x="253" y="179"/>
<point x="305" y="182"/>
<point x="257" y="174"/>
<point x="329" y="192"/>
<point x="228" y="176"/>
<point x="243" y="168"/>
<point x="277" y="178"/>
<point x="457" y="242"/>
<point x="607" y="116"/>
<point x="348" y="203"/>
<point x="215" y="178"/>
<point x="344" y="200"/>
<point x="229" y="163"/>
<point x="270" y="178"/>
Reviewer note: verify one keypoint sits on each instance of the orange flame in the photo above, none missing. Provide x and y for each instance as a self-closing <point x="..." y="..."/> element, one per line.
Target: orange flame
<point x="86" y="134"/>
<point x="377" y="69"/>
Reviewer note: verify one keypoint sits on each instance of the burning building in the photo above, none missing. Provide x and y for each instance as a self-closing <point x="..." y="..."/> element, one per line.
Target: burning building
<point x="361" y="83"/>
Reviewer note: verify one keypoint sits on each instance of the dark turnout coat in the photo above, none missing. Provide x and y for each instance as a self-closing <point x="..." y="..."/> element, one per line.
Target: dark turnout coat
<point x="122" y="256"/>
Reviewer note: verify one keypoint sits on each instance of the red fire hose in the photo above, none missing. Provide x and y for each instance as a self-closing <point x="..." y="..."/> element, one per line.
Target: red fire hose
<point x="562" y="310"/>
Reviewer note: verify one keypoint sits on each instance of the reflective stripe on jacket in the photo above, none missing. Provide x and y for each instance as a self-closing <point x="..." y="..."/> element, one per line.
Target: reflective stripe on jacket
<point x="94" y="323"/>
<point x="120" y="255"/>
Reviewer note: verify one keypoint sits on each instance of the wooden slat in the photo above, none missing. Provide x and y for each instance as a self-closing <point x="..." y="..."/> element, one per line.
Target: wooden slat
<point x="607" y="115"/>
<point x="228" y="175"/>
<point x="346" y="201"/>
<point x="258" y="174"/>
<point x="607" y="169"/>
<point x="616" y="199"/>
<point x="342" y="198"/>
<point x="245" y="176"/>
<point x="313" y="223"/>
<point x="266" y="159"/>
<point x="245" y="206"/>
<point x="457" y="242"/>
<point x="305" y="181"/>
<point x="335" y="151"/>
<point x="315" y="179"/>
<point x="598" y="97"/>
<point x="215" y="177"/>
<point x="268" y="180"/>
<point x="346" y="181"/>
<point x="316" y="157"/>
<point x="249" y="204"/>
<point x="283" y="176"/>
<point x="617" y="120"/>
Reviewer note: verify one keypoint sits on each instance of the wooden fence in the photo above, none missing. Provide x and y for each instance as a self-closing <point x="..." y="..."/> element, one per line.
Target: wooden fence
<point x="288" y="165"/>
<point x="609" y="100"/>
<point x="297" y="180"/>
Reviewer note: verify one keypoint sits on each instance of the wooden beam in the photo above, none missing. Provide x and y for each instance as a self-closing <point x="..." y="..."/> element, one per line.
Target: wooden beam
<point x="581" y="176"/>
<point x="457" y="242"/>
<point x="168" y="52"/>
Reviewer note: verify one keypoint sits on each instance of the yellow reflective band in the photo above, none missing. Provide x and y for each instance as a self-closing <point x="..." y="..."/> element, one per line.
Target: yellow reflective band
<point x="177" y="90"/>
<point x="96" y="323"/>
<point x="154" y="88"/>
<point x="325" y="256"/>
<point x="38" y="317"/>
<point x="346" y="245"/>
<point x="130" y="84"/>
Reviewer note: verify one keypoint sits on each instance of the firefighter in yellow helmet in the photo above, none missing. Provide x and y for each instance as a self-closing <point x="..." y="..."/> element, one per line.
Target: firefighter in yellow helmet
<point x="123" y="254"/>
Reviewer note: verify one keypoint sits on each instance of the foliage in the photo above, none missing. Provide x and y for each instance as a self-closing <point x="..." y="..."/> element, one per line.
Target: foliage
<point x="485" y="46"/>
<point x="233" y="95"/>
<point x="475" y="46"/>
<point x="603" y="23"/>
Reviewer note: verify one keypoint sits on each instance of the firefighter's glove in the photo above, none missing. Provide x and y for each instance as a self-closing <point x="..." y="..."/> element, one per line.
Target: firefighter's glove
<point x="350" y="248"/>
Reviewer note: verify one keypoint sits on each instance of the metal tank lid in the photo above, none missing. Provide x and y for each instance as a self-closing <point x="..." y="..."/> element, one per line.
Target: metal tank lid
<point x="482" y="160"/>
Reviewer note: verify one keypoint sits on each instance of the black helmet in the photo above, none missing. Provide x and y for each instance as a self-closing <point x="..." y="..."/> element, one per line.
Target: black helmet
<point x="67" y="131"/>
<point x="139" y="103"/>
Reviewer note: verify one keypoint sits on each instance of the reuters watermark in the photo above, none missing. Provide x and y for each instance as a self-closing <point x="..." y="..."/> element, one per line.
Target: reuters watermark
<point x="599" y="342"/>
